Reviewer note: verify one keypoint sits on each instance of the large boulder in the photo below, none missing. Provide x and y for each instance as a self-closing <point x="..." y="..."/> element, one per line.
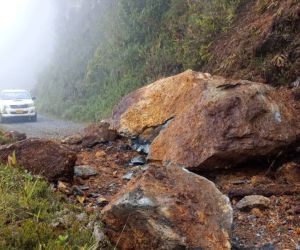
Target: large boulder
<point x="169" y="208"/>
<point x="209" y="121"/>
<point x="41" y="157"/>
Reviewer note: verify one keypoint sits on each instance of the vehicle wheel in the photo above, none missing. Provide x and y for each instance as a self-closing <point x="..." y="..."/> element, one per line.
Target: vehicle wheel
<point x="34" y="119"/>
<point x="2" y="119"/>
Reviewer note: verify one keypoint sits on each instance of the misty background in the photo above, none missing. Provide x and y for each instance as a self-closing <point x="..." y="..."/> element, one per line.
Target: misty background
<point x="26" y="41"/>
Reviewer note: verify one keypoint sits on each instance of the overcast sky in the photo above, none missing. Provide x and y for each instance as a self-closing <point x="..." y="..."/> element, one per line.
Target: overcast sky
<point x="26" y="41"/>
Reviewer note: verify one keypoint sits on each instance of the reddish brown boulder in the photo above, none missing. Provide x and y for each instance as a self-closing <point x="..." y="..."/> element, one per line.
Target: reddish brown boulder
<point x="98" y="133"/>
<point x="153" y="105"/>
<point x="169" y="208"/>
<point x="289" y="173"/>
<point x="216" y="123"/>
<point x="41" y="157"/>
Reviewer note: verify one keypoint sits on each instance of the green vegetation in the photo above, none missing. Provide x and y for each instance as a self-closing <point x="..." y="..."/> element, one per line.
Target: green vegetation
<point x="4" y="139"/>
<point x="33" y="217"/>
<point x="107" y="48"/>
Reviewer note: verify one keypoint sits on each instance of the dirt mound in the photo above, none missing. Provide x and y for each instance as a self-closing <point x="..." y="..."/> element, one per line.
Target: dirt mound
<point x="263" y="44"/>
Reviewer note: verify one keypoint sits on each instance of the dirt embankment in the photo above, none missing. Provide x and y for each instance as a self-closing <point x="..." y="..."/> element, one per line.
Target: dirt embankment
<point x="263" y="45"/>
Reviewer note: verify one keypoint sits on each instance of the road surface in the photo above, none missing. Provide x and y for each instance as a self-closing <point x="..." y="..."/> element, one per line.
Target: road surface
<point x="45" y="127"/>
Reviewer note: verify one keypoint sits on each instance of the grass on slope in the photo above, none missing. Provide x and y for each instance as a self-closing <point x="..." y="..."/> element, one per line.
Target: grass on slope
<point x="32" y="216"/>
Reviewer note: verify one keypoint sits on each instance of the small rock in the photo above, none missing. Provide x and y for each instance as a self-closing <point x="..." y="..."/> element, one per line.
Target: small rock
<point x="100" y="154"/>
<point x="115" y="174"/>
<point x="72" y="140"/>
<point x="80" y="199"/>
<point x="93" y="195"/>
<point x="84" y="188"/>
<point x="297" y="209"/>
<point x="256" y="212"/>
<point x="260" y="180"/>
<point x="77" y="191"/>
<point x="253" y="201"/>
<point x="128" y="176"/>
<point x="98" y="234"/>
<point x="81" y="217"/>
<point x="240" y="182"/>
<point x="289" y="173"/>
<point x="124" y="147"/>
<point x="85" y="171"/>
<point x="268" y="246"/>
<point x="98" y="133"/>
<point x="139" y="160"/>
<point x="101" y="201"/>
<point x="141" y="147"/>
<point x="296" y="83"/>
<point x="62" y="187"/>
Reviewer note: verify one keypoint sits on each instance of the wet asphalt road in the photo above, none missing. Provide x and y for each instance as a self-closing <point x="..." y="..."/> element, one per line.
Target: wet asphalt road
<point x="45" y="127"/>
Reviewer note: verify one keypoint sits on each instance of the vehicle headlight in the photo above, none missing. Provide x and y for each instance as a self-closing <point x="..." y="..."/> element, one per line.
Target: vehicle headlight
<point x="5" y="107"/>
<point x="31" y="105"/>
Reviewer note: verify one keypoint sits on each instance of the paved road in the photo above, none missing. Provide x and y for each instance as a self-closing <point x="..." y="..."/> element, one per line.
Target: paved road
<point x="44" y="127"/>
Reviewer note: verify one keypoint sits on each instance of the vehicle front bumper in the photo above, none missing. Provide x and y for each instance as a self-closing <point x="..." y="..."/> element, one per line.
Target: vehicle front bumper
<point x="26" y="112"/>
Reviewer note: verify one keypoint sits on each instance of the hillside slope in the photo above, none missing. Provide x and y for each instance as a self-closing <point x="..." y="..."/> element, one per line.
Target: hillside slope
<point x="263" y="44"/>
<point x="106" y="49"/>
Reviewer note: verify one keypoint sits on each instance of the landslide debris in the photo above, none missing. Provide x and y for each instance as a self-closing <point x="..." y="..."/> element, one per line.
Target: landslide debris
<point x="239" y="137"/>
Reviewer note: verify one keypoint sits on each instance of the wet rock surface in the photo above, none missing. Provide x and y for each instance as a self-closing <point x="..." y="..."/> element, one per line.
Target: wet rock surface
<point x="166" y="212"/>
<point x="42" y="157"/>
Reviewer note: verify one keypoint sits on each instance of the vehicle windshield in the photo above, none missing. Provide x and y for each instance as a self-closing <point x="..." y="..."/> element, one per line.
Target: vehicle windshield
<point x="20" y="95"/>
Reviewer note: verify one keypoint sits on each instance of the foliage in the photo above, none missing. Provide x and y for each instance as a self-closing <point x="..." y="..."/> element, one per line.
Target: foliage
<point x="108" y="48"/>
<point x="4" y="139"/>
<point x="29" y="210"/>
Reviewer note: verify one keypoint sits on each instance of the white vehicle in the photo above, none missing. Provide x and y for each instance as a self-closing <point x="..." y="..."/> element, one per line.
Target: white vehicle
<point x="17" y="103"/>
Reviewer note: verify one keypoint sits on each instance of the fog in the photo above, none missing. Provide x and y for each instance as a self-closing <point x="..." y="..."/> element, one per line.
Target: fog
<point x="26" y="41"/>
